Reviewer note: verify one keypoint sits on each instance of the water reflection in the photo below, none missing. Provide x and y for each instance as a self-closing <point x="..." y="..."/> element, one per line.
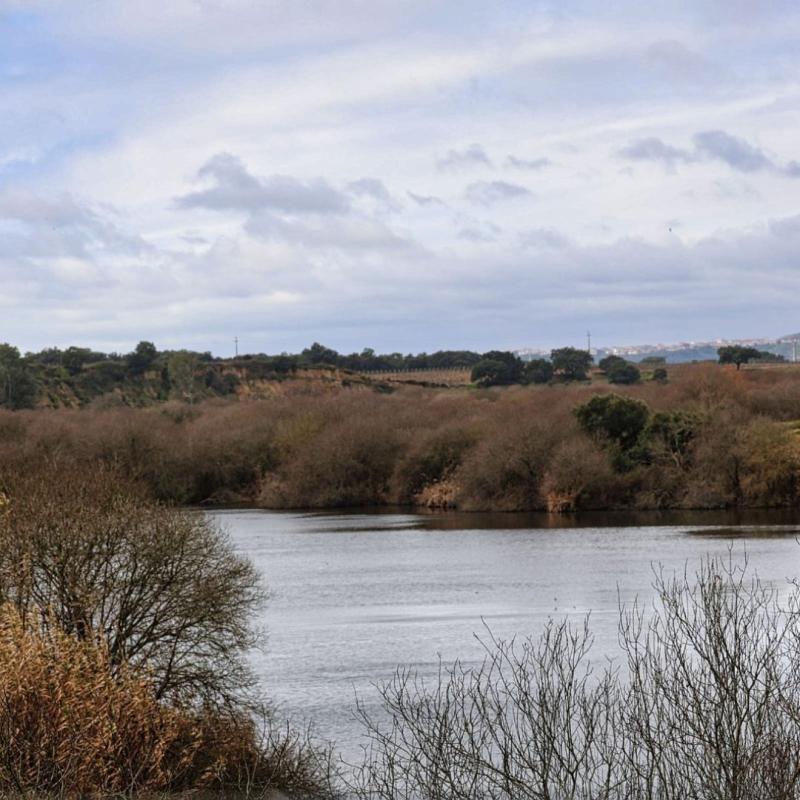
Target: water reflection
<point x="748" y="531"/>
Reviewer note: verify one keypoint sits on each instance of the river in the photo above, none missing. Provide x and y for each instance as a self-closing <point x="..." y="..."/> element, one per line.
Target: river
<point x="354" y="595"/>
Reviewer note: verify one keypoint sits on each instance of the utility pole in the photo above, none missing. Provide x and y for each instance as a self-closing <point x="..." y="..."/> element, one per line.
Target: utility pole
<point x="236" y="345"/>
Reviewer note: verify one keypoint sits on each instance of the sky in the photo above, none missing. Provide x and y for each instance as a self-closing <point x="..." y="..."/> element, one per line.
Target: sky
<point x="407" y="176"/>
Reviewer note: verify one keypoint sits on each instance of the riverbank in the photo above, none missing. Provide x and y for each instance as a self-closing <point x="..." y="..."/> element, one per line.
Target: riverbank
<point x="711" y="438"/>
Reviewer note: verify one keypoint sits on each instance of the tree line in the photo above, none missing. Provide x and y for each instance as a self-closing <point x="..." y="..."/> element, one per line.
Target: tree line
<point x="190" y="375"/>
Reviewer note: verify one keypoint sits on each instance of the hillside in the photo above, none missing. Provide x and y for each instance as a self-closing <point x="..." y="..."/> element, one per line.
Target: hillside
<point x="106" y="385"/>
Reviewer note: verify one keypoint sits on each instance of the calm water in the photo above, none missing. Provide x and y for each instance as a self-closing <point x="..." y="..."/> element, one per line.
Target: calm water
<point x="355" y="595"/>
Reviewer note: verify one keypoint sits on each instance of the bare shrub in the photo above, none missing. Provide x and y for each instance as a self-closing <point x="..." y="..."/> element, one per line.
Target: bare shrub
<point x="349" y="463"/>
<point x="67" y="722"/>
<point x="579" y="476"/>
<point x="705" y="705"/>
<point x="162" y="586"/>
<point x="432" y="457"/>
<point x="712" y="704"/>
<point x="507" y="469"/>
<point x="770" y="463"/>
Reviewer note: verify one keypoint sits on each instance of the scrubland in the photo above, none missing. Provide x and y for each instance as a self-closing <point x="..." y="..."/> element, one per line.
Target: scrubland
<point x="714" y="437"/>
<point x="126" y="620"/>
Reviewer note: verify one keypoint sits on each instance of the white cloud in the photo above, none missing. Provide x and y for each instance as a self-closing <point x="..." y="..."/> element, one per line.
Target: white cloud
<point x="487" y="193"/>
<point x="235" y="189"/>
<point x="467" y="158"/>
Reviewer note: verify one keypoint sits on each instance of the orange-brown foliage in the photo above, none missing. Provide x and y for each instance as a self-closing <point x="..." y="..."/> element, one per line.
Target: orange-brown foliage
<point x="492" y="449"/>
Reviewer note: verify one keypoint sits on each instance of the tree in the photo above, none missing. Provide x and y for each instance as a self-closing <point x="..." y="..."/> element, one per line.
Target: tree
<point x="538" y="370"/>
<point x="142" y="357"/>
<point x="653" y="361"/>
<point x="73" y="359"/>
<point x="319" y="354"/>
<point x="611" y="362"/>
<point x="615" y="418"/>
<point x="49" y="356"/>
<point x="672" y="433"/>
<point x="491" y="372"/>
<point x="620" y="371"/>
<point x="624" y="374"/>
<point x="162" y="586"/>
<point x="660" y="375"/>
<point x="181" y="366"/>
<point x="18" y="388"/>
<point x="514" y="364"/>
<point x="571" y="364"/>
<point x="735" y="354"/>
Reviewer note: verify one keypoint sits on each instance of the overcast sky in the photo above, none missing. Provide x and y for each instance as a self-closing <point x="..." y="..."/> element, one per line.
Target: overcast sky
<point x="401" y="175"/>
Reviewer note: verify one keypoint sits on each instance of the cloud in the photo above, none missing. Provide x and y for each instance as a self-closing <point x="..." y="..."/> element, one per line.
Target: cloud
<point x="376" y="190"/>
<point x="323" y="120"/>
<point x="62" y="227"/>
<point x="792" y="169"/>
<point x="788" y="227"/>
<point x="654" y="149"/>
<point x="351" y="234"/>
<point x="425" y="199"/>
<point x="472" y="156"/>
<point x="548" y="238"/>
<point x="479" y="232"/>
<point x="487" y="193"/>
<point x="476" y="235"/>
<point x="733" y="151"/>
<point x="232" y="26"/>
<point x="528" y="164"/>
<point x="713" y="145"/>
<point x="675" y="60"/>
<point x="236" y="189"/>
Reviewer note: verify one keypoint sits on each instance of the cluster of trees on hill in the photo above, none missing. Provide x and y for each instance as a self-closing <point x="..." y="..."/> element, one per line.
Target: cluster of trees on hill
<point x="85" y="374"/>
<point x="189" y="375"/>
<point x="566" y="364"/>
<point x="184" y="374"/>
<point x="369" y="361"/>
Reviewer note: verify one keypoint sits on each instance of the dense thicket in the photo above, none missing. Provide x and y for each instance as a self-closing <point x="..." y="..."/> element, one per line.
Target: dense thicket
<point x="711" y="437"/>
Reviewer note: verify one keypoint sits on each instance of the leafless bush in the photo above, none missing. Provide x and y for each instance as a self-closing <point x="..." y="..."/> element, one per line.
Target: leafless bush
<point x="704" y="704"/>
<point x="162" y="586"/>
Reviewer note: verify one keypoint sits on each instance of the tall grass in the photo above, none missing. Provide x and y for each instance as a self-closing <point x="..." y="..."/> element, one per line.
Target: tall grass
<point x="74" y="724"/>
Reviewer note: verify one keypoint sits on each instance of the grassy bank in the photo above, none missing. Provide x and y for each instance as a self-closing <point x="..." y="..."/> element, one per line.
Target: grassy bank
<point x="711" y="437"/>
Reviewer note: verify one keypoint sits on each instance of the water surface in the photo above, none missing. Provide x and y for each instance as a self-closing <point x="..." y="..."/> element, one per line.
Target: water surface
<point x="354" y="595"/>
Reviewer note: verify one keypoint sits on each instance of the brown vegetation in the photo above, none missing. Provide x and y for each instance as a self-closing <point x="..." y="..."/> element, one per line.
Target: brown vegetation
<point x="714" y="437"/>
<point x="124" y="630"/>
